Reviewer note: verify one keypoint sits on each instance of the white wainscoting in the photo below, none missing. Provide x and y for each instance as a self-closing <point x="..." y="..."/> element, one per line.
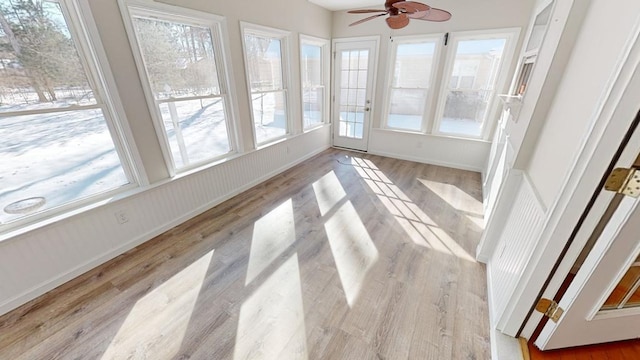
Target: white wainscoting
<point x="38" y="261"/>
<point x="521" y="228"/>
<point x="451" y="152"/>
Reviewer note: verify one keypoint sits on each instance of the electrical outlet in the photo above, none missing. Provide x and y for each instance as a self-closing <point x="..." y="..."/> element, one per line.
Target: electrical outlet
<point x="121" y="216"/>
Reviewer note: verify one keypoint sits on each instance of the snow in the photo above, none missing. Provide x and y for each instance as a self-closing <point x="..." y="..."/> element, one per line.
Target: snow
<point x="70" y="155"/>
<point x="63" y="157"/>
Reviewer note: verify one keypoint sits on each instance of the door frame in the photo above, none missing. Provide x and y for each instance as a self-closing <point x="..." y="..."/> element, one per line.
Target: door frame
<point x="374" y="74"/>
<point x="559" y="243"/>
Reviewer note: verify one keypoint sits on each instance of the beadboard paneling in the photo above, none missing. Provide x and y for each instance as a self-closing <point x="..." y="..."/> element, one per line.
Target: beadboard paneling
<point x="522" y="227"/>
<point x="457" y="153"/>
<point x="38" y="261"/>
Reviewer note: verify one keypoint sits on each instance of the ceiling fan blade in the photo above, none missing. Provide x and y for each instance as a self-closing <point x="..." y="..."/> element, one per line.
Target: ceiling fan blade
<point x="366" y="11"/>
<point x="397" y="21"/>
<point x="367" y="19"/>
<point x="411" y="7"/>
<point x="436" y="15"/>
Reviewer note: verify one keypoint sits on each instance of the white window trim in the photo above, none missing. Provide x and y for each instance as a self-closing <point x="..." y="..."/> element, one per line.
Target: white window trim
<point x="324" y="44"/>
<point x="431" y="91"/>
<point x="511" y="34"/>
<point x="94" y="61"/>
<point x="217" y="25"/>
<point x="283" y="36"/>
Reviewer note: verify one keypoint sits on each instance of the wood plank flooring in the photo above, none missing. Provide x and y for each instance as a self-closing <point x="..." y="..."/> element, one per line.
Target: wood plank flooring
<point x="347" y="256"/>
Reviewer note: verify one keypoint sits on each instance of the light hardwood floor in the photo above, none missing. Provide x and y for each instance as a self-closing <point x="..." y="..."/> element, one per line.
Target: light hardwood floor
<point x="347" y="256"/>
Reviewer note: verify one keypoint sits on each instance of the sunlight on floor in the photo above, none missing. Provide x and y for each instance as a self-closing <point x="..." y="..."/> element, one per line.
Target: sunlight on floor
<point x="352" y="248"/>
<point x="458" y="199"/>
<point x="272" y="234"/>
<point x="272" y="318"/>
<point x="328" y="192"/>
<point x="422" y="230"/>
<point x="159" y="320"/>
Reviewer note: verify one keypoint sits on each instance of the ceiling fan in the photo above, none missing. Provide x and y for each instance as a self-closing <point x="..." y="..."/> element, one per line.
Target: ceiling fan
<point x="400" y="11"/>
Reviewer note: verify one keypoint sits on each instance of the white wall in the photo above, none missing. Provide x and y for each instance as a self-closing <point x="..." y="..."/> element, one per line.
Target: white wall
<point x="584" y="85"/>
<point x="467" y="15"/>
<point x="574" y="115"/>
<point x="33" y="262"/>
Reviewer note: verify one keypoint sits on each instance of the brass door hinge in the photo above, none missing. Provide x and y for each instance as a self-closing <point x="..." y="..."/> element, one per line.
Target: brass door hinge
<point x="624" y="181"/>
<point x="550" y="309"/>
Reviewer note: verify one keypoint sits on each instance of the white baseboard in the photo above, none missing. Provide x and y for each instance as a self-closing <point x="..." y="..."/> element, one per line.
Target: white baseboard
<point x="426" y="161"/>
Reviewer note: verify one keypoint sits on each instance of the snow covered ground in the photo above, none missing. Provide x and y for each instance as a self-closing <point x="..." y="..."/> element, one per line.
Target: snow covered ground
<point x="70" y="155"/>
<point x="61" y="157"/>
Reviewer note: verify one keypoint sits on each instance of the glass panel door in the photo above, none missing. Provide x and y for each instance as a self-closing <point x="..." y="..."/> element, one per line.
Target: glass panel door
<point x="354" y="74"/>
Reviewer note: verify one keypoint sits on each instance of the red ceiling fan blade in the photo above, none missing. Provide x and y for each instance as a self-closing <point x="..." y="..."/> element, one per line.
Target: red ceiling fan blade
<point x="367" y="19"/>
<point x="411" y="7"/>
<point x="436" y="15"/>
<point x="397" y="21"/>
<point x="366" y="11"/>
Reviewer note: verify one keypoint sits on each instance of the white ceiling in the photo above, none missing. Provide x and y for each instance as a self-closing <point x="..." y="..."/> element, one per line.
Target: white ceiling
<point x="335" y="5"/>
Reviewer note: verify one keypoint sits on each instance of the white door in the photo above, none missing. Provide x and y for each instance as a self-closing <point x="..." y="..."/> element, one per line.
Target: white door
<point x="602" y="304"/>
<point x="354" y="77"/>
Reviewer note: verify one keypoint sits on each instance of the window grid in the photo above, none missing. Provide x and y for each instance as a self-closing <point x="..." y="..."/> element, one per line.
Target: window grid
<point x="353" y="89"/>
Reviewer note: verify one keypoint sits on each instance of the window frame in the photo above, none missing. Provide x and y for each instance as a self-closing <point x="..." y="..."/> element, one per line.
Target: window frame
<point x="431" y="91"/>
<point x="78" y="17"/>
<point x="217" y="25"/>
<point x="284" y="37"/>
<point x="325" y="48"/>
<point x="511" y="35"/>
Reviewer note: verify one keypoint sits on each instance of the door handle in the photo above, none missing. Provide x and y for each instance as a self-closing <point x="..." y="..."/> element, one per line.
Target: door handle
<point x="367" y="109"/>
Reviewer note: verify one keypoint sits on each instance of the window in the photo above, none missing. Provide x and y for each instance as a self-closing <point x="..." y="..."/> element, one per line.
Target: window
<point x="265" y="52"/>
<point x="60" y="144"/>
<point x="474" y="70"/>
<point x="180" y="59"/>
<point x="411" y="82"/>
<point x="314" y="70"/>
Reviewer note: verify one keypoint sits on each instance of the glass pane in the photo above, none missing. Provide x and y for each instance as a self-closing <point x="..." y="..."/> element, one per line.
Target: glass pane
<point x="179" y="58"/>
<point x="626" y="294"/>
<point x="471" y="86"/>
<point x="39" y="65"/>
<point x="311" y="65"/>
<point x="48" y="160"/>
<point x="180" y="61"/>
<point x="622" y="289"/>
<point x="539" y="28"/>
<point x="313" y="106"/>
<point x="411" y="81"/>
<point x="352" y="93"/>
<point x="196" y="130"/>
<point x="406" y="108"/>
<point x="264" y="61"/>
<point x="269" y="115"/>
<point x="413" y="65"/>
<point x="464" y="112"/>
<point x="312" y="85"/>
